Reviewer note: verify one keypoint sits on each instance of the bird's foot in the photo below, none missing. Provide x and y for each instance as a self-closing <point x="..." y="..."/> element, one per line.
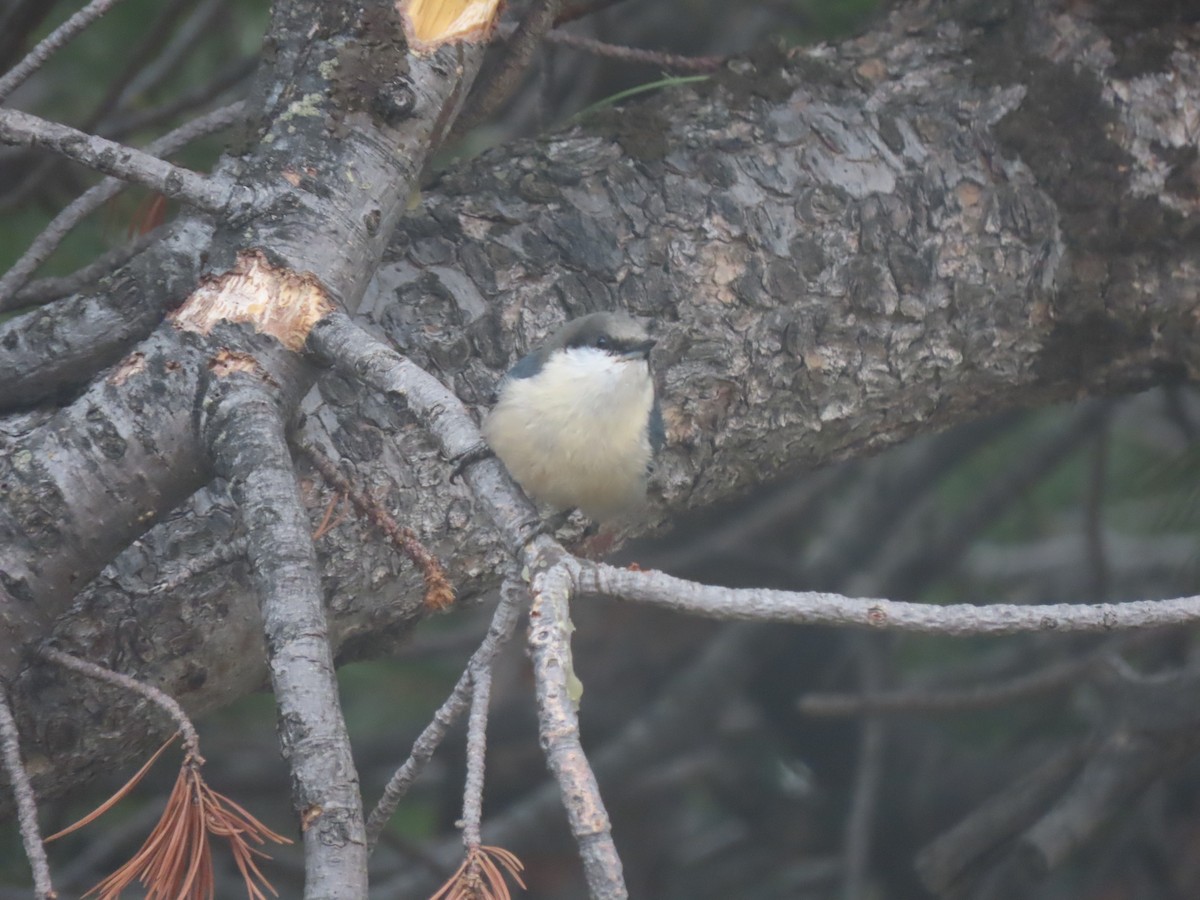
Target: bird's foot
<point x="469" y="458"/>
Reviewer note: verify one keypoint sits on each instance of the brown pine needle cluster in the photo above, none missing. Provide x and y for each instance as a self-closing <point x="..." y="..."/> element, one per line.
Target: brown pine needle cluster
<point x="175" y="862"/>
<point x="481" y="876"/>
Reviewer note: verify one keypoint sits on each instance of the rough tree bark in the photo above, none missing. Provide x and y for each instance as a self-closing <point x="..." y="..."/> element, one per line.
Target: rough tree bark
<point x="971" y="208"/>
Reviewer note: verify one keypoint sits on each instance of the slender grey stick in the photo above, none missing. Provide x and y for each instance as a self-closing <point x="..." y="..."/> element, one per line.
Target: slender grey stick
<point x="174" y="53"/>
<point x="46" y="290"/>
<point x="525" y="40"/>
<point x="864" y="796"/>
<point x="35" y="850"/>
<point x="160" y="698"/>
<point x="92" y="199"/>
<point x="504" y="623"/>
<point x="636" y="54"/>
<point x="147" y="117"/>
<point x="821" y="608"/>
<point x="37" y="57"/>
<point x="481" y="693"/>
<point x="933" y="700"/>
<point x="205" y="192"/>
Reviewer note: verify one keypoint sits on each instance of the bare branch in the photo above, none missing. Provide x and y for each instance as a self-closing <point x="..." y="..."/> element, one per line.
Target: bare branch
<point x="685" y="708"/>
<point x="37" y="57"/>
<point x="481" y="692"/>
<point x="864" y="796"/>
<point x="944" y="861"/>
<point x="636" y="54"/>
<point x="504" y="623"/>
<point x="249" y="447"/>
<point x="820" y="608"/>
<point x="47" y="290"/>
<point x="911" y="564"/>
<point x="46" y="242"/>
<point x="136" y="119"/>
<point x="160" y="698"/>
<point x="984" y="696"/>
<point x="151" y="39"/>
<point x="171" y="55"/>
<point x="95" y="328"/>
<point x="18" y="777"/>
<point x="558" y="725"/>
<point x="538" y="20"/>
<point x="337" y="341"/>
<point x="18" y="20"/>
<point x="211" y="194"/>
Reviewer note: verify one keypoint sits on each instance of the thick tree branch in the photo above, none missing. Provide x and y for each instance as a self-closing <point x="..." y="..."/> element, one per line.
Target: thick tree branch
<point x="249" y="448"/>
<point x="334" y="236"/>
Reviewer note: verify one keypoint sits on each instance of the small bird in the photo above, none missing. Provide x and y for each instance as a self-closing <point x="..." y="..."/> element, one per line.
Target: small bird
<point x="577" y="422"/>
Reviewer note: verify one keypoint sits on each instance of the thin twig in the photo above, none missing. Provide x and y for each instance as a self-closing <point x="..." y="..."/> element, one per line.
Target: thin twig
<point x="908" y="571"/>
<point x="685" y="708"/>
<point x="205" y="192"/>
<point x="439" y="593"/>
<point x="1093" y="515"/>
<point x="864" y="794"/>
<point x="153" y="40"/>
<point x="174" y="53"/>
<point x="221" y="553"/>
<point x="578" y="11"/>
<point x="150" y="40"/>
<point x="946" y="860"/>
<point x="673" y="61"/>
<point x="19" y="19"/>
<point x="481" y="692"/>
<point x="504" y="623"/>
<point x="822" y="608"/>
<point x="37" y="57"/>
<point x="507" y="76"/>
<point x="102" y="847"/>
<point x="337" y="341"/>
<point x="47" y="290"/>
<point x="91" y="200"/>
<point x="160" y="698"/>
<point x="1051" y="678"/>
<point x="22" y="788"/>
<point x="229" y="78"/>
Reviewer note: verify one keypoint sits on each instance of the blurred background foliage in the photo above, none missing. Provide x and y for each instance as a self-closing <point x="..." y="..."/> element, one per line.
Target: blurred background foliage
<point x="750" y="798"/>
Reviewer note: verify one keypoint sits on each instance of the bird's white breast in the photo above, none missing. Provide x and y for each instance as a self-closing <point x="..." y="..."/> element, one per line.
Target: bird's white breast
<point x="576" y="434"/>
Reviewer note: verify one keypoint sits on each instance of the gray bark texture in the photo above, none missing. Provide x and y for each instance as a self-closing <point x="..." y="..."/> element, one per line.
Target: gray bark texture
<point x="957" y="213"/>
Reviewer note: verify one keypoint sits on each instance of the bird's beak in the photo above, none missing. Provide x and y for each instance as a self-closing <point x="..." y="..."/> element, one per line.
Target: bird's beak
<point x="640" y="351"/>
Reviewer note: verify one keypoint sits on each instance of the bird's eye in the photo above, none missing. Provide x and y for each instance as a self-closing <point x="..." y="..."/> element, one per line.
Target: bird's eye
<point x="602" y="342"/>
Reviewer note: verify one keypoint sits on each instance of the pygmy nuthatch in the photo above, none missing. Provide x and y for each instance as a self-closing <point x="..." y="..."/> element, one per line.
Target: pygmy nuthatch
<point x="576" y="421"/>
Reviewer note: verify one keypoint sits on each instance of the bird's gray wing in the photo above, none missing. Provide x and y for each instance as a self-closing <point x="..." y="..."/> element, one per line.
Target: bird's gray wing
<point x="527" y="366"/>
<point x="657" y="428"/>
